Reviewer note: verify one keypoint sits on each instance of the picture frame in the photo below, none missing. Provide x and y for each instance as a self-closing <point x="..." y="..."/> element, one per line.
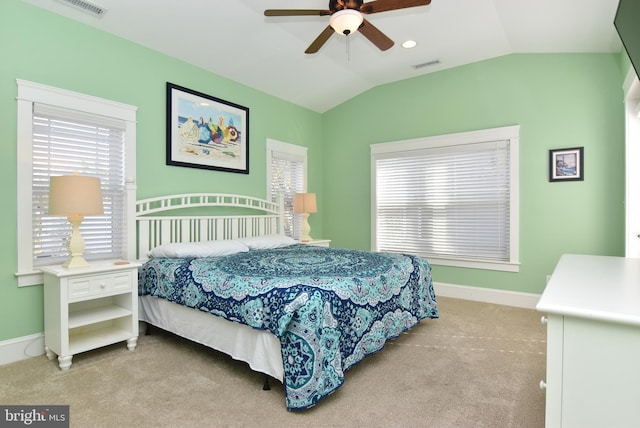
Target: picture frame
<point x="566" y="164"/>
<point x="206" y="132"/>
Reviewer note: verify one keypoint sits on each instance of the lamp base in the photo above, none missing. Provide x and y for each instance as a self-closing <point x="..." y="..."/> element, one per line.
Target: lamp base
<point x="76" y="245"/>
<point x="75" y="262"/>
<point x="306" y="228"/>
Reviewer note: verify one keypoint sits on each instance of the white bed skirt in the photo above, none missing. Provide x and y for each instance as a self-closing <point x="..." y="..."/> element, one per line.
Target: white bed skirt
<point x="258" y="348"/>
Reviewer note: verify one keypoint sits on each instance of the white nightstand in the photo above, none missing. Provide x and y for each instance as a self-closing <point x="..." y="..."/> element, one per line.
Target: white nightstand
<point x="318" y="242"/>
<point x="88" y="308"/>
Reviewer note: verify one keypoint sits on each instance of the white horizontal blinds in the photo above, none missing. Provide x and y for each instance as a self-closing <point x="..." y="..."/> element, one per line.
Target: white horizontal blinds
<point x="447" y="202"/>
<point x="287" y="178"/>
<point x="66" y="141"/>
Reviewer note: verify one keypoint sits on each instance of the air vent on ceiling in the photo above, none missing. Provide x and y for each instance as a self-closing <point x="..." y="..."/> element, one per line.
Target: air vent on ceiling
<point x="425" y="64"/>
<point x="85" y="6"/>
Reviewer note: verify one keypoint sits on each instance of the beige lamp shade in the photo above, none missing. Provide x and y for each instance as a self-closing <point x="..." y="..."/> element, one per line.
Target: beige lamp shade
<point x="304" y="203"/>
<point x="75" y="195"/>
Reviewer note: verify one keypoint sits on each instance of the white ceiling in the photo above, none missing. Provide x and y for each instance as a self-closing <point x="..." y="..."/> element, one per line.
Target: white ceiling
<point x="234" y="39"/>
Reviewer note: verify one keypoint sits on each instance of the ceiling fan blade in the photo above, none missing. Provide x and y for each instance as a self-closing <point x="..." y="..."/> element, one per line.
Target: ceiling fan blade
<point x="296" y="12"/>
<point x="320" y="40"/>
<point x="386" y="5"/>
<point x="376" y="36"/>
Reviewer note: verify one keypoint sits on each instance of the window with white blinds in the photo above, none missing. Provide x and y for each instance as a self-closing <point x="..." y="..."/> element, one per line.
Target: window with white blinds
<point x="287" y="175"/>
<point x="61" y="132"/>
<point x="65" y="142"/>
<point x="451" y="199"/>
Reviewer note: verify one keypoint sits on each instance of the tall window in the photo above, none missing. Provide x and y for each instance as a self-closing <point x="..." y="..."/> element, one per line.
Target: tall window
<point x="287" y="175"/>
<point x="60" y="133"/>
<point x="452" y="199"/>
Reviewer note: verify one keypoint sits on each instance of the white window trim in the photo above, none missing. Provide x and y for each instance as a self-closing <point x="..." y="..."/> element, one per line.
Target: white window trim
<point x="28" y="94"/>
<point x="282" y="147"/>
<point x="510" y="133"/>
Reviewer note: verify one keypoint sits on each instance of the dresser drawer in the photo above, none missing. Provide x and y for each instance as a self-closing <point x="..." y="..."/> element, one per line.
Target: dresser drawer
<point x="90" y="286"/>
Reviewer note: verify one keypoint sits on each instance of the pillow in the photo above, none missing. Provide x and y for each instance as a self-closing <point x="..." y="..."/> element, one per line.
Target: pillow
<point x="266" y="242"/>
<point x="198" y="249"/>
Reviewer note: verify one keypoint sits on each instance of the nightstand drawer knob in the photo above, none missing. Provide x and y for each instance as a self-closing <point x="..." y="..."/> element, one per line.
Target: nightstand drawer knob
<point x="103" y="285"/>
<point x="543" y="385"/>
<point x="543" y="320"/>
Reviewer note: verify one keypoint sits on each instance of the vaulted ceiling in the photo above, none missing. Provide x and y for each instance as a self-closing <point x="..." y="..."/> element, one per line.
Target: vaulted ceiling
<point x="234" y="39"/>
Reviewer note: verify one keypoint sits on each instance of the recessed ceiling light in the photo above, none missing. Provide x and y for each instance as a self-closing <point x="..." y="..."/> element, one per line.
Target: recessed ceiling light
<point x="409" y="44"/>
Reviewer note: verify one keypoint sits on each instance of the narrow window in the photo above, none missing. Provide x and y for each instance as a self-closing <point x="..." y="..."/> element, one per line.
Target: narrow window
<point x="287" y="175"/>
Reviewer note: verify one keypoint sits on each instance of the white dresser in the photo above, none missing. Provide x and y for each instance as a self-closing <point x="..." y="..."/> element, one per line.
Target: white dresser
<point x="593" y="342"/>
<point x="90" y="307"/>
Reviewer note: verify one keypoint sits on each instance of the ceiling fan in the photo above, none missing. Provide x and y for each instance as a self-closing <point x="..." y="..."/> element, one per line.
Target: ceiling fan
<point x="346" y="17"/>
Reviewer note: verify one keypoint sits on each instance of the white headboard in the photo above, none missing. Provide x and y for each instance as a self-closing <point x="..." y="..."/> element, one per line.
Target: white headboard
<point x="168" y="219"/>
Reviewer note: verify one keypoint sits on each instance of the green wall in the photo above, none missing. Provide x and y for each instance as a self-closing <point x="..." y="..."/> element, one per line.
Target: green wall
<point x="45" y="48"/>
<point x="559" y="101"/>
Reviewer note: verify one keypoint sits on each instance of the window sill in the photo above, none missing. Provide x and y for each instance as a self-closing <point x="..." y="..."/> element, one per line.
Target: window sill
<point x="26" y="279"/>
<point x="474" y="264"/>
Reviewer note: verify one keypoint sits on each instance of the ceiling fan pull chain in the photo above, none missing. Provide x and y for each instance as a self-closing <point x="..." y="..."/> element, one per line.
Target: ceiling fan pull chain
<point x="348" y="50"/>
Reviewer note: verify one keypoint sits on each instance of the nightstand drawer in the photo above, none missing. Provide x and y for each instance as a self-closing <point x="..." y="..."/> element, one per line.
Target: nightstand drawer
<point x="96" y="285"/>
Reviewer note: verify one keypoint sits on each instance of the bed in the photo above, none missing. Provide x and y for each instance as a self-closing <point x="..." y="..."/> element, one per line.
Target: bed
<point x="298" y="313"/>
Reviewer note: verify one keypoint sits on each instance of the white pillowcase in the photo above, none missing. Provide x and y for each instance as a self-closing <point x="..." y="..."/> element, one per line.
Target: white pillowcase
<point x="199" y="249"/>
<point x="266" y="242"/>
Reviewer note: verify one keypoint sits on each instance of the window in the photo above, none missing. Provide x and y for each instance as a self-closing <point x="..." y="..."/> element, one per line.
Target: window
<point x="59" y="133"/>
<point x="452" y="199"/>
<point x="287" y="175"/>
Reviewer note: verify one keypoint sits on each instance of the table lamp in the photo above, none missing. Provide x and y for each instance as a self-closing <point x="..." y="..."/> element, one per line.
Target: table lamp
<point x="305" y="204"/>
<point x="75" y="197"/>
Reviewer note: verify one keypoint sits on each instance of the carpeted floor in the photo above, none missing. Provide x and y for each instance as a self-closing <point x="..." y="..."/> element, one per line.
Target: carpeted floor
<point x="479" y="365"/>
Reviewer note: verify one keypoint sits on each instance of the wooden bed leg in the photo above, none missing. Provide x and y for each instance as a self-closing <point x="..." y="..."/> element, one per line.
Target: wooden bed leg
<point x="266" y="386"/>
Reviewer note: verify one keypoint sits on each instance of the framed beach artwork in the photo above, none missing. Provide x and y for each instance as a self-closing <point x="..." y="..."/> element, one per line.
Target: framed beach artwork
<point x="206" y="132"/>
<point x="566" y="164"/>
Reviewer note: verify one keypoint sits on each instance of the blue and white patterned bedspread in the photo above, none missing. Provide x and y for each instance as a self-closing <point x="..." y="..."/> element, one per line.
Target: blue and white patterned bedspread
<point x="329" y="307"/>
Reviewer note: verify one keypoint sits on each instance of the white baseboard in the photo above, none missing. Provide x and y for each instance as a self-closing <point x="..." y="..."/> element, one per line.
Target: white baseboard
<point x="21" y="348"/>
<point x="487" y="295"/>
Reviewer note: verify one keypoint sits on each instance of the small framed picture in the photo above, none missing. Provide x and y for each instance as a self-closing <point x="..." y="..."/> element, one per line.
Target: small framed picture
<point x="566" y="164"/>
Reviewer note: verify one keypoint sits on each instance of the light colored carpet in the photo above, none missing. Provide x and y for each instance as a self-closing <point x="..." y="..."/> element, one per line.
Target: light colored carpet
<point x="479" y="365"/>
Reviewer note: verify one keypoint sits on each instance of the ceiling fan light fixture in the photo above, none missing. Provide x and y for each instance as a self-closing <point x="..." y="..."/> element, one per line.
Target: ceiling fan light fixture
<point x="346" y="21"/>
